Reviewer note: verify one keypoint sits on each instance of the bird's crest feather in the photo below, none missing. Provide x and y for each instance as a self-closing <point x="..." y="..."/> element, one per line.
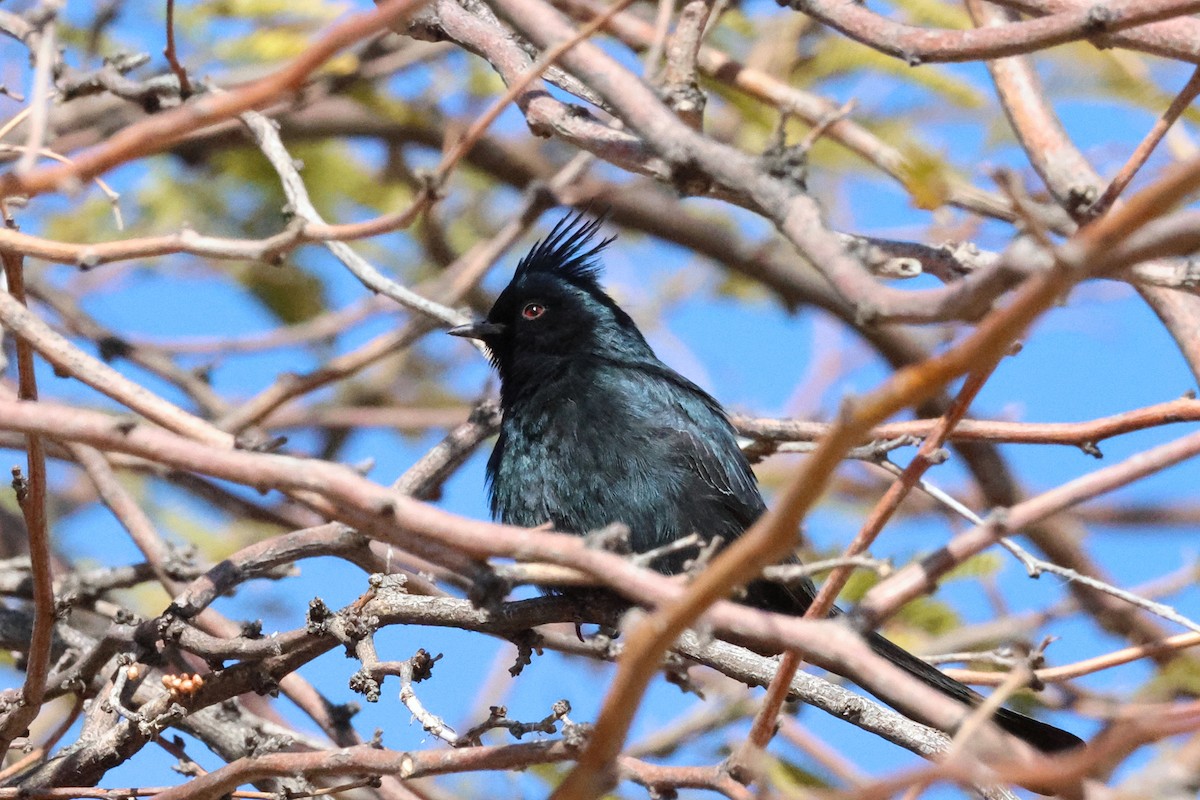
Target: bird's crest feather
<point x="568" y="251"/>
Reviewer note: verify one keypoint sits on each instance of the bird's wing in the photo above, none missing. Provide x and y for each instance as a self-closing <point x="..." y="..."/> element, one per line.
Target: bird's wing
<point x="708" y="445"/>
<point x="719" y="466"/>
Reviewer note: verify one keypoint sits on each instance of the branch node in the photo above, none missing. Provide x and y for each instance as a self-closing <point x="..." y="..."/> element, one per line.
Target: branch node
<point x="318" y="617"/>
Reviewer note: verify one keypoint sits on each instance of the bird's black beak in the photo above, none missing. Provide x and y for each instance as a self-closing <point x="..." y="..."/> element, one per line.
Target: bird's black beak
<point x="478" y="330"/>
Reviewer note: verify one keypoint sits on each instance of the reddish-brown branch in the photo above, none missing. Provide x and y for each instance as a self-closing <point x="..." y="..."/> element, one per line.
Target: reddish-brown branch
<point x="516" y="88"/>
<point x="185" y="86"/>
<point x="417" y="525"/>
<point x="812" y="108"/>
<point x="1176" y="39"/>
<point x="1142" y="152"/>
<point x="763" y="727"/>
<point x="1088" y="666"/>
<point x="1066" y="173"/>
<point x="1072" y="179"/>
<point x="17" y="766"/>
<point x="74" y="362"/>
<point x="916" y="579"/>
<point x="1077" y="434"/>
<point x="366" y="760"/>
<point x="156" y="133"/>
<point x="920" y="45"/>
<point x="659" y="778"/>
<point x="31" y="496"/>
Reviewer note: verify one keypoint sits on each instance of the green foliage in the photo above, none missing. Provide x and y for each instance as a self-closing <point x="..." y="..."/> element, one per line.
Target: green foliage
<point x="735" y="23"/>
<point x="278" y="30"/>
<point x="483" y="81"/>
<point x="835" y="56"/>
<point x="333" y="172"/>
<point x="926" y="614"/>
<point x="198" y="199"/>
<point x="926" y="178"/>
<point x="930" y="616"/>
<point x="308" y="10"/>
<point x="1179" y="677"/>
<point x="789" y="777"/>
<point x="860" y="582"/>
<point x="291" y="294"/>
<point x="977" y="566"/>
<point x="90" y="221"/>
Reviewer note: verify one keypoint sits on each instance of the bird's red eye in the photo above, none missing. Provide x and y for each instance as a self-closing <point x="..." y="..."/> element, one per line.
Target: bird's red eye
<point x="533" y="311"/>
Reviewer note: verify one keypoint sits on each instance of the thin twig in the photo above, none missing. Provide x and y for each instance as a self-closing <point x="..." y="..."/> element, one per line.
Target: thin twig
<point x="39" y="97"/>
<point x="1142" y="152"/>
<point x="1065" y="672"/>
<point x="1036" y="566"/>
<point x="31" y="496"/>
<point x="268" y="140"/>
<point x="764" y="725"/>
<point x="544" y="62"/>
<point x="914" y="579"/>
<point x="185" y="86"/>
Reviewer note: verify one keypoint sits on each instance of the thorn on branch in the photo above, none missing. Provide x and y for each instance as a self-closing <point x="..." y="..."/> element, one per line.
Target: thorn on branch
<point x="20" y="485"/>
<point x="259" y="443"/>
<point x="675" y="670"/>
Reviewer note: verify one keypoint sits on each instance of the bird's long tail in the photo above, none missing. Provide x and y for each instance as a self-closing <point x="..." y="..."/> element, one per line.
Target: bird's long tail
<point x="796" y="600"/>
<point x="1046" y="738"/>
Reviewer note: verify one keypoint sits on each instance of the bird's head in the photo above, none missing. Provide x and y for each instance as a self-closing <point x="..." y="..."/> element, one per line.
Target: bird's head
<point x="554" y="307"/>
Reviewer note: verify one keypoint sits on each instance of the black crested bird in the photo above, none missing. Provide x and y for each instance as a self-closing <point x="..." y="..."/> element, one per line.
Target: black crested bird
<point x="597" y="430"/>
